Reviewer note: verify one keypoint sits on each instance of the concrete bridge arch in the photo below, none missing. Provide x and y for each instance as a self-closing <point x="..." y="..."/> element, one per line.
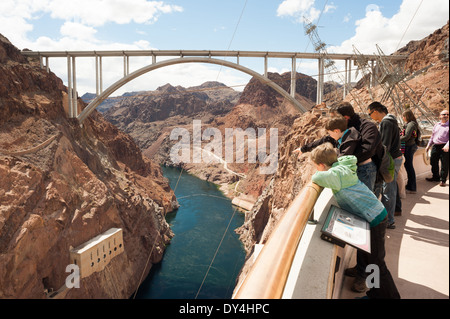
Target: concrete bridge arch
<point x="154" y="66"/>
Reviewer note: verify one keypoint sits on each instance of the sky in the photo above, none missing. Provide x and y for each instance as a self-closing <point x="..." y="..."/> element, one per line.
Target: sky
<point x="245" y="25"/>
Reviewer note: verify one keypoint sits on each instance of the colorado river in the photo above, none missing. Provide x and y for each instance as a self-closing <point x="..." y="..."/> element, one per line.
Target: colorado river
<point x="201" y="225"/>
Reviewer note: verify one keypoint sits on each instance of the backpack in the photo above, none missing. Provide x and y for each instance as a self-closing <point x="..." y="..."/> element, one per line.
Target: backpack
<point x="386" y="167"/>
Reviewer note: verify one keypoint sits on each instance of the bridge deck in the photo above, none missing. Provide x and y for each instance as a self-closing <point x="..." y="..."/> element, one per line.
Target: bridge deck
<point x="204" y="53"/>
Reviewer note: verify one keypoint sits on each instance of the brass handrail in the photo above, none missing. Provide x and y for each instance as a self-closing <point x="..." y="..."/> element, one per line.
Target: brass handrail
<point x="268" y="275"/>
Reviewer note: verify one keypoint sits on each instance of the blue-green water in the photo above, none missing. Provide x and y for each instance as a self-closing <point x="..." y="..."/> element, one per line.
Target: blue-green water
<point x="199" y="226"/>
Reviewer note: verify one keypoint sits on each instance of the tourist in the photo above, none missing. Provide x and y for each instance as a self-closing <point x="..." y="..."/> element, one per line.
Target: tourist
<point x="346" y="140"/>
<point x="439" y="151"/>
<point x="410" y="136"/>
<point x="370" y="143"/>
<point x="390" y="137"/>
<point x="352" y="195"/>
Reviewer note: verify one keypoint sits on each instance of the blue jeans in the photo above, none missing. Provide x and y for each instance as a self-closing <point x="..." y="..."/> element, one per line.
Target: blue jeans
<point x="367" y="174"/>
<point x="388" y="192"/>
<point x="409" y="157"/>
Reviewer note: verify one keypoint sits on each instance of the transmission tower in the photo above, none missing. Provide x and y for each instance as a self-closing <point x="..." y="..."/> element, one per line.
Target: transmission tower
<point x="363" y="68"/>
<point x="393" y="82"/>
<point x="328" y="64"/>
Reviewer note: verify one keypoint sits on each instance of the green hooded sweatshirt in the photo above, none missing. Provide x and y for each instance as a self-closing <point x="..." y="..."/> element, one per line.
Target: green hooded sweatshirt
<point x="350" y="193"/>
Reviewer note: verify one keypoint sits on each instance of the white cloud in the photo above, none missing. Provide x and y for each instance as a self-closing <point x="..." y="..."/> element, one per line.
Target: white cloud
<point x="298" y="9"/>
<point x="347" y="18"/>
<point x="375" y="28"/>
<point x="17" y="16"/>
<point x="78" y="31"/>
<point x="278" y="70"/>
<point x="100" y="12"/>
<point x="329" y="8"/>
<point x="293" y="7"/>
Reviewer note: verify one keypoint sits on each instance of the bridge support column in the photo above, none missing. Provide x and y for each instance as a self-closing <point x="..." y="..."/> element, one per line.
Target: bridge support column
<point x="98" y="75"/>
<point x="69" y="84"/>
<point x="72" y="86"/>
<point x="372" y="74"/>
<point x="41" y="62"/>
<point x="349" y="76"/>
<point x="265" y="66"/>
<point x="345" y="79"/>
<point x="293" y="76"/>
<point x="320" y="80"/>
<point x="97" y="89"/>
<point x="74" y="90"/>
<point x="126" y="65"/>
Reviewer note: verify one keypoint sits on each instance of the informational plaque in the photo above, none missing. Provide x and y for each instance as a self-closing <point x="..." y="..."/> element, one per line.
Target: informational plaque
<point x="342" y="227"/>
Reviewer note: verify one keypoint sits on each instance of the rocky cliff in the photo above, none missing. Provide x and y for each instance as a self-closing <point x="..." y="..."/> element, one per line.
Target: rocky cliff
<point x="62" y="184"/>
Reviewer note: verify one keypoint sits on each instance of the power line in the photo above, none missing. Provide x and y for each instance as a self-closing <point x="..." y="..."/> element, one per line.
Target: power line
<point x="409" y="25"/>
<point x="234" y="34"/>
<point x="215" y="254"/>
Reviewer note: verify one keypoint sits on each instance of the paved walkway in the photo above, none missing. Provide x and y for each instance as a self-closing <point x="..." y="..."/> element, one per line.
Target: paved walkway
<point x="417" y="251"/>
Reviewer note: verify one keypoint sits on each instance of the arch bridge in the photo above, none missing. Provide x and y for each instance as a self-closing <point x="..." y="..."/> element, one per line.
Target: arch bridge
<point x="188" y="56"/>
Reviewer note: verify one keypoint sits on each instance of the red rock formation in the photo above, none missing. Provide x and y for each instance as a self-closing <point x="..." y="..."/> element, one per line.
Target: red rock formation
<point x="76" y="184"/>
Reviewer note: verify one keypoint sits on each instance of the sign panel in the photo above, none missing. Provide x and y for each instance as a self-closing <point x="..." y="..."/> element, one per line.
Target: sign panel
<point x="342" y="227"/>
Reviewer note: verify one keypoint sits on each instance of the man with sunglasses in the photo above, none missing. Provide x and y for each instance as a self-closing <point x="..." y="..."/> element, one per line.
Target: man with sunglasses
<point x="390" y="137"/>
<point x="439" y="151"/>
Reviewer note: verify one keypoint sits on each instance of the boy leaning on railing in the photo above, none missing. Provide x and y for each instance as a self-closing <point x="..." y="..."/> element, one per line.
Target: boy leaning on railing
<point x="352" y="195"/>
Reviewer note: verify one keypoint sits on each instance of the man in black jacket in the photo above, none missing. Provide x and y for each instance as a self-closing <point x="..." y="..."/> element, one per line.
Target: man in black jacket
<point x="390" y="136"/>
<point x="370" y="150"/>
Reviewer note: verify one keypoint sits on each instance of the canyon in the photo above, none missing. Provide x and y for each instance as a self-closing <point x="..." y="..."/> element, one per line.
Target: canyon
<point x="63" y="184"/>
